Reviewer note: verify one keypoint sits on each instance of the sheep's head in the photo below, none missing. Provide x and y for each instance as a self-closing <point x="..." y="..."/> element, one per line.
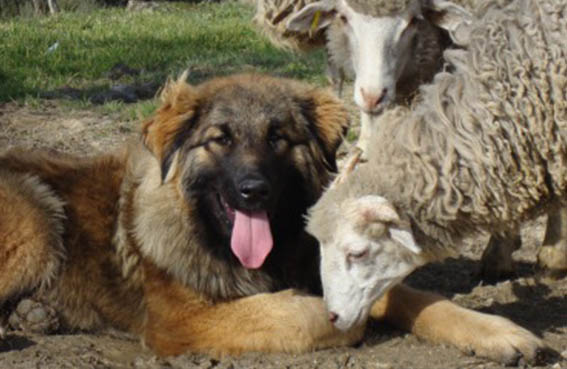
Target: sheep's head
<point x="365" y="250"/>
<point x="377" y="40"/>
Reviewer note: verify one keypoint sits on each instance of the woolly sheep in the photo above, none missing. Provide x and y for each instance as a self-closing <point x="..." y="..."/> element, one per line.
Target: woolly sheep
<point x="374" y="29"/>
<point x="389" y="47"/>
<point x="483" y="149"/>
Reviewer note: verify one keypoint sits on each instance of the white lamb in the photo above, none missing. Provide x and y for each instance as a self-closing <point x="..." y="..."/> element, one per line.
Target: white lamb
<point x="484" y="148"/>
<point x="389" y="47"/>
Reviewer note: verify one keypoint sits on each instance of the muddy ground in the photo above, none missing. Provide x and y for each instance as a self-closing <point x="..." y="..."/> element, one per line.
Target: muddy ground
<point x="538" y="304"/>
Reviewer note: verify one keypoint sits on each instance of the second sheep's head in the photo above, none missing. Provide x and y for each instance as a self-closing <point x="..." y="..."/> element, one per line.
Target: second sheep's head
<point x="380" y="43"/>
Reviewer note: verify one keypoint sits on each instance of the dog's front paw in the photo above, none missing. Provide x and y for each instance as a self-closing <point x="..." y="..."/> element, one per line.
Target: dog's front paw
<point x="33" y="316"/>
<point x="500" y="339"/>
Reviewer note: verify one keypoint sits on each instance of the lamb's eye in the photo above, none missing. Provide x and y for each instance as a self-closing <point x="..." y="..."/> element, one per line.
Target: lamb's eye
<point x="357" y="255"/>
<point x="343" y="19"/>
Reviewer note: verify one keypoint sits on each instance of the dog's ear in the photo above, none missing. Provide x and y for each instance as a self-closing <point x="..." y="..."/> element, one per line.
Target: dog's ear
<point x="328" y="122"/>
<point x="164" y="132"/>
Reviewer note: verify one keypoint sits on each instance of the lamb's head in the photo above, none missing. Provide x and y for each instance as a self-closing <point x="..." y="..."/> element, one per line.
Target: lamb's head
<point x="366" y="248"/>
<point x="378" y="41"/>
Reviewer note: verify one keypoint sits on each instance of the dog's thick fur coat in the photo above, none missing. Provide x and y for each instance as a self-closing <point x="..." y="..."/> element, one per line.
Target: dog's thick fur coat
<point x="139" y="239"/>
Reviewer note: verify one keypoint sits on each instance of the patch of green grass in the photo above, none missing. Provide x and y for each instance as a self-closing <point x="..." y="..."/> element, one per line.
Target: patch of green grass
<point x="210" y="39"/>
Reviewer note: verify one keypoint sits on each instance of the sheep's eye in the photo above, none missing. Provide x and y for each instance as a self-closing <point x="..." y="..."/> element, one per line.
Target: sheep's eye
<point x="343" y="19"/>
<point x="357" y="256"/>
<point x="412" y="22"/>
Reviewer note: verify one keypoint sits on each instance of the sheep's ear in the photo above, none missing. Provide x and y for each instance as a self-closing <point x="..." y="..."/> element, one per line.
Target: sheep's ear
<point x="447" y="15"/>
<point x="164" y="131"/>
<point x="404" y="237"/>
<point x="313" y="17"/>
<point x="375" y="214"/>
<point x="373" y="208"/>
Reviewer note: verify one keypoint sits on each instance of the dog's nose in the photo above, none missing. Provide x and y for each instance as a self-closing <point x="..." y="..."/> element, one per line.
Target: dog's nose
<point x="333" y="317"/>
<point x="254" y="189"/>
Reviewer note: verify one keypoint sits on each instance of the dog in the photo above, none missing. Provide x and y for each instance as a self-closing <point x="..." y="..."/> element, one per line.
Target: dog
<point x="192" y="235"/>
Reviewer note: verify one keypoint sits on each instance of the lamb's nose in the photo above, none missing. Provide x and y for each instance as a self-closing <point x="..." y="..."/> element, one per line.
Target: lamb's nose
<point x="333" y="317"/>
<point x="371" y="100"/>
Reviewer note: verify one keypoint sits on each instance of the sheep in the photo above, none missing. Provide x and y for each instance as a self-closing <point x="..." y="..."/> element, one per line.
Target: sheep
<point x="362" y="40"/>
<point x="484" y="148"/>
<point x="401" y="73"/>
<point x="389" y="47"/>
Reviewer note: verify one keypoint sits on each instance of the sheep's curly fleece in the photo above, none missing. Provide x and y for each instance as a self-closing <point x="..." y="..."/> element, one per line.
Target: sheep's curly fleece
<point x="485" y="146"/>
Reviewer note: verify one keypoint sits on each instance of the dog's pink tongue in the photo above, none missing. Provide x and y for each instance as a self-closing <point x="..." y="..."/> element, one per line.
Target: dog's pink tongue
<point x="251" y="239"/>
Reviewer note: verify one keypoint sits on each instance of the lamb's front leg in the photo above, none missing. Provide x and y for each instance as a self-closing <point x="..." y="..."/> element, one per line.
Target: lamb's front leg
<point x="179" y="320"/>
<point x="437" y="319"/>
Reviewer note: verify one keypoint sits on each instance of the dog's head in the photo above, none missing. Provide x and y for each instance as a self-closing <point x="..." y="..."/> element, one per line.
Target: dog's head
<point x="250" y="153"/>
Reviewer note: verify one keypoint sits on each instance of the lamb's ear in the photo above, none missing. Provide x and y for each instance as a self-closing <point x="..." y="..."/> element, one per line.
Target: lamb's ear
<point x="449" y="16"/>
<point x="164" y="132"/>
<point x="313" y="17"/>
<point x="328" y="121"/>
<point x="372" y="209"/>
<point x="375" y="214"/>
<point x="404" y="236"/>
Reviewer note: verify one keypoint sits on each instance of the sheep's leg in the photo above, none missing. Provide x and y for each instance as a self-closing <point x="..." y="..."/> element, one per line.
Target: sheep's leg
<point x="336" y="76"/>
<point x="38" y="6"/>
<point x="552" y="256"/>
<point x="435" y="318"/>
<point x="496" y="261"/>
<point x="53" y="7"/>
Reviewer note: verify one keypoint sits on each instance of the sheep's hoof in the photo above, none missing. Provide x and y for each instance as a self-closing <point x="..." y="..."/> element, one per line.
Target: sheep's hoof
<point x="33" y="316"/>
<point x="552" y="260"/>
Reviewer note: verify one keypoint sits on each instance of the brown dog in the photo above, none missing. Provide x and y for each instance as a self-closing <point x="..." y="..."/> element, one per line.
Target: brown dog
<point x="185" y="237"/>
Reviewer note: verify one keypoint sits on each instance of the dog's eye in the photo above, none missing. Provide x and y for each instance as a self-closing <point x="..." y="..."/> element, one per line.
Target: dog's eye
<point x="223" y="140"/>
<point x="276" y="140"/>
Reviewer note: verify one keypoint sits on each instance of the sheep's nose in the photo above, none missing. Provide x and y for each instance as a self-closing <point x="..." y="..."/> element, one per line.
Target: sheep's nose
<point x="372" y="100"/>
<point x="333" y="317"/>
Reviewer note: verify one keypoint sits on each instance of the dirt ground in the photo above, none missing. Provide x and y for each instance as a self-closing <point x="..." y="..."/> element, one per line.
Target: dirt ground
<point x="537" y="304"/>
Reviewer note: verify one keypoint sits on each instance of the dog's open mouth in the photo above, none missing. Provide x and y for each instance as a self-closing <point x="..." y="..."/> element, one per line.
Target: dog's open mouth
<point x="251" y="238"/>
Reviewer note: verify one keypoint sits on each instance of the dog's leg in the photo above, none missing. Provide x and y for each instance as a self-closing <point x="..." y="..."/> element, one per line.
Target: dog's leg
<point x="437" y="319"/>
<point x="179" y="320"/>
<point x="31" y="248"/>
